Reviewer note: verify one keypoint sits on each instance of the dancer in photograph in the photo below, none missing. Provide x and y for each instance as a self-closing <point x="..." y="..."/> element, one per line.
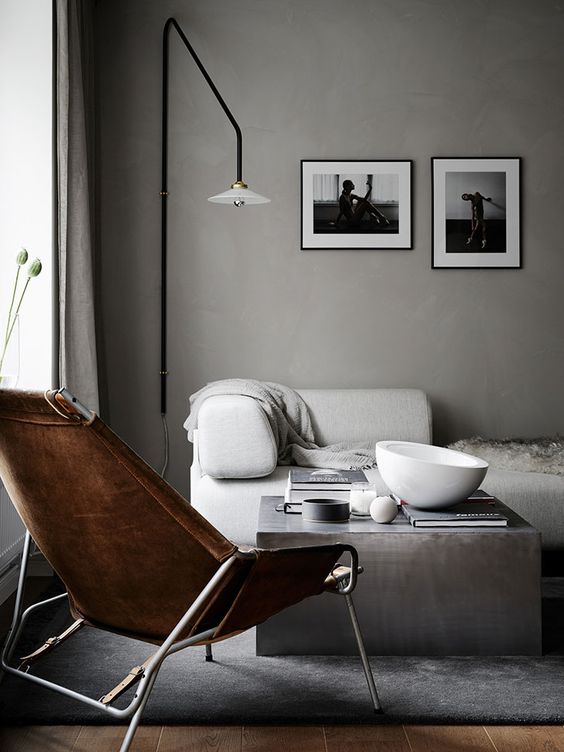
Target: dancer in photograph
<point x="478" y="221"/>
<point x="353" y="207"/>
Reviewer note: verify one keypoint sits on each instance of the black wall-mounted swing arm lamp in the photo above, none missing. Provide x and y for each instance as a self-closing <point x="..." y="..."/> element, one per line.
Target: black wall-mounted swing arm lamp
<point x="238" y="195"/>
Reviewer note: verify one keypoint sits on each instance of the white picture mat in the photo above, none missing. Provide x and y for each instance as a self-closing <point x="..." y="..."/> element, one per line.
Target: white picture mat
<point x="511" y="258"/>
<point x="402" y="239"/>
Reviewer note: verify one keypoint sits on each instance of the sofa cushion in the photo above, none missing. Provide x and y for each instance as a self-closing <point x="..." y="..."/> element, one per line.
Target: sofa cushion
<point x="350" y="415"/>
<point x="235" y="439"/>
<point x="537" y="497"/>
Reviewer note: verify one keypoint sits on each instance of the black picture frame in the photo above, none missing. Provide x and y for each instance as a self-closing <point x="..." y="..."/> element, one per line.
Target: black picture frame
<point x="382" y="222"/>
<point x="476" y="213"/>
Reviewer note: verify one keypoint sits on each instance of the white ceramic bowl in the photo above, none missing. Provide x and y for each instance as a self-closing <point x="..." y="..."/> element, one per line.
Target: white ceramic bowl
<point x="428" y="477"/>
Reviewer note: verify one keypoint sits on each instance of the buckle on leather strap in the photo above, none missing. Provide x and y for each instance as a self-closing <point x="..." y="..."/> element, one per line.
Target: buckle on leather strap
<point x="132" y="677"/>
<point x="48" y="645"/>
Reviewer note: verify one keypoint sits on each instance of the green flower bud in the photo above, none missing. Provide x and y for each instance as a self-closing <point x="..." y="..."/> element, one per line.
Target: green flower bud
<point x="34" y="268"/>
<point x="22" y="257"/>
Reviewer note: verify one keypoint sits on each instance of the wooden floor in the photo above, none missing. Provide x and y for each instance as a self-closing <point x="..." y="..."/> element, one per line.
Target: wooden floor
<point x="286" y="738"/>
<point x="276" y="739"/>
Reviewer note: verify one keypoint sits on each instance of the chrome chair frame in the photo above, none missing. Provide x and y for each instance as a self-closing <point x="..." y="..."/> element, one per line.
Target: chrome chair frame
<point x="345" y="585"/>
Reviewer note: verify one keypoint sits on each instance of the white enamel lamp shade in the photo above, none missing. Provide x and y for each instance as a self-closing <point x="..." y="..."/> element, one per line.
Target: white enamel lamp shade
<point x="239" y="195"/>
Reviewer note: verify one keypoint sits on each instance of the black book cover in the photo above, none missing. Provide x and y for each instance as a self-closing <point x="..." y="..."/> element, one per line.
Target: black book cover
<point x="460" y="515"/>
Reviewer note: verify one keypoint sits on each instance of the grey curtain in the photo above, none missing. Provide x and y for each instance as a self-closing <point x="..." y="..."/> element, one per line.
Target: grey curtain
<point x="74" y="139"/>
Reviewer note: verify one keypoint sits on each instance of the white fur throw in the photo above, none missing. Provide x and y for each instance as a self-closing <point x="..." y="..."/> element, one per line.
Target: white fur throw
<point x="544" y="455"/>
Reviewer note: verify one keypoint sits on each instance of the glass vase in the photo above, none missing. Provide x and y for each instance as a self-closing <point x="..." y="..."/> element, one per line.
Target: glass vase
<point x="10" y="368"/>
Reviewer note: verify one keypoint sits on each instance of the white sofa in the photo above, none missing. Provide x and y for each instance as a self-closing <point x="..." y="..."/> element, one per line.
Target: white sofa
<point x="235" y="459"/>
<point x="235" y="456"/>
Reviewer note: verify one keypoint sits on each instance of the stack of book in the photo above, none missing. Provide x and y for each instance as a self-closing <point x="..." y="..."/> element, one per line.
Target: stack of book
<point x="477" y="511"/>
<point x="308" y="483"/>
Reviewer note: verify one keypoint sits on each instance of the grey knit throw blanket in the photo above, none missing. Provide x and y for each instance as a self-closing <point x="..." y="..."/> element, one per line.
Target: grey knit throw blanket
<point x="291" y="426"/>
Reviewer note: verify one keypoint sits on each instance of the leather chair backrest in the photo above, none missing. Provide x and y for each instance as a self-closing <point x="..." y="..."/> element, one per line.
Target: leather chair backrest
<point x="131" y="551"/>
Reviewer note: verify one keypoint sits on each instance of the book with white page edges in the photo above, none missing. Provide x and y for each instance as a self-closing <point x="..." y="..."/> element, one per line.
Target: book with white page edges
<point x="460" y="515"/>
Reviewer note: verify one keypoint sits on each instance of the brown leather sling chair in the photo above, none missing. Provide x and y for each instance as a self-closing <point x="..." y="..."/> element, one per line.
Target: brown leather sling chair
<point x="136" y="559"/>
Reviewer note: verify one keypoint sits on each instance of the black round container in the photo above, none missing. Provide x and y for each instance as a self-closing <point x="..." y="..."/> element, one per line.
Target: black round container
<point x="325" y="510"/>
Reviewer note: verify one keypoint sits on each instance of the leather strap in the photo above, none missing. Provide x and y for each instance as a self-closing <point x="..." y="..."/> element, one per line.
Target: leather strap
<point x="339" y="574"/>
<point x="60" y="406"/>
<point x="51" y="643"/>
<point x="66" y="409"/>
<point x="132" y="678"/>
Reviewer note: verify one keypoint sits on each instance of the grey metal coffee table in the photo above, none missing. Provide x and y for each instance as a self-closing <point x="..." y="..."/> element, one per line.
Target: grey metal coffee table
<point x="434" y="591"/>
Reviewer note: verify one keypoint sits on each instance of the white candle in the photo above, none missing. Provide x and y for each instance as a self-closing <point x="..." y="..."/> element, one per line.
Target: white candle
<point x="361" y="497"/>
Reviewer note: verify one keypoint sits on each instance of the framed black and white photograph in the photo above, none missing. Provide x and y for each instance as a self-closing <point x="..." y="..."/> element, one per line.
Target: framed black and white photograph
<point x="356" y="204"/>
<point x="476" y="213"/>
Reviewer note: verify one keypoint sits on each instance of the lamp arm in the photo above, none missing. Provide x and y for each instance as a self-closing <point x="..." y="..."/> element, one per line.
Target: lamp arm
<point x="170" y="23"/>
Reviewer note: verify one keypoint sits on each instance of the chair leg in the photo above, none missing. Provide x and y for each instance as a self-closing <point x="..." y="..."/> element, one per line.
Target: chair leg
<point x="134" y="723"/>
<point x="11" y="640"/>
<point x="209" y="654"/>
<point x="363" y="656"/>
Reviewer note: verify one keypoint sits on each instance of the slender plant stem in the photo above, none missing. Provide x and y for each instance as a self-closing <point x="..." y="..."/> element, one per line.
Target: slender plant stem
<point x="13" y="323"/>
<point x="11" y="308"/>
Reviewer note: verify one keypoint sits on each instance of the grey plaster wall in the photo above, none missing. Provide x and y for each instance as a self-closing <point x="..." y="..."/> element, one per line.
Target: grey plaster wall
<point x="326" y="79"/>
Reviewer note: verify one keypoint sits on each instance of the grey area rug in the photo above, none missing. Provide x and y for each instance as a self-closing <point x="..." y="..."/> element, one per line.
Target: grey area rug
<point x="240" y="688"/>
